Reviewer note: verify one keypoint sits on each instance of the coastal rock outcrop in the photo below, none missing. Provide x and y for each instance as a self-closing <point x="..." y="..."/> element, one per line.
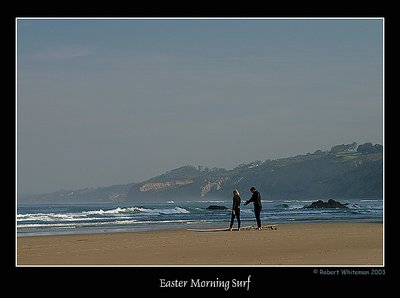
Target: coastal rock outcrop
<point x="216" y="207"/>
<point x="330" y="204"/>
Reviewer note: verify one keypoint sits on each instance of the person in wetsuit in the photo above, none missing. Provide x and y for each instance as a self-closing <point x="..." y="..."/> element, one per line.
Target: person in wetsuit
<point x="256" y="199"/>
<point x="235" y="209"/>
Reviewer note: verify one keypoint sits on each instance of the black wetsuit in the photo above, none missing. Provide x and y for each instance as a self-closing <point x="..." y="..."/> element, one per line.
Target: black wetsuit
<point x="256" y="199"/>
<point x="236" y="208"/>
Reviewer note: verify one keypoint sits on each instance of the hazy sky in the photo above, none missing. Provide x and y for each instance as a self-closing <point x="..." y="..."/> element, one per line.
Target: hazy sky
<point x="103" y="102"/>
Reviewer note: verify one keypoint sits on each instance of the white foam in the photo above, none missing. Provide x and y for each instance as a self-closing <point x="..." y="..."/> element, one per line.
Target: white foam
<point x="156" y="211"/>
<point x="50" y="217"/>
<point x="295" y="207"/>
<point x="96" y="215"/>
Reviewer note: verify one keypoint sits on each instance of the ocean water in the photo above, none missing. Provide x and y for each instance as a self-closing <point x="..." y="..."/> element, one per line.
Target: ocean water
<point x="45" y="219"/>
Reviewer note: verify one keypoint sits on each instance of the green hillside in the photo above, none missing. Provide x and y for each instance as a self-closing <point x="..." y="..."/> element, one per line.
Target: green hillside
<point x="345" y="171"/>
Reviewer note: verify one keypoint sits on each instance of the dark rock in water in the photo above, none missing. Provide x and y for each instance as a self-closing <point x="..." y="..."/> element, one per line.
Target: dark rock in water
<point x="216" y="207"/>
<point x="330" y="204"/>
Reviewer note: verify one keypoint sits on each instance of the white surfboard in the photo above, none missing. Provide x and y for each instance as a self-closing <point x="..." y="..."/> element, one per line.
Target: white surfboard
<point x="248" y="228"/>
<point x="266" y="227"/>
<point x="209" y="230"/>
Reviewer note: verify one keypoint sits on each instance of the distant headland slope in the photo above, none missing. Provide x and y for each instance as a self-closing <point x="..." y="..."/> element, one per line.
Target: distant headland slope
<point x="344" y="171"/>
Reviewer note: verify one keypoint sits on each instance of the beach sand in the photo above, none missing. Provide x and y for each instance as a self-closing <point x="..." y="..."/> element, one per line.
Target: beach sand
<point x="291" y="244"/>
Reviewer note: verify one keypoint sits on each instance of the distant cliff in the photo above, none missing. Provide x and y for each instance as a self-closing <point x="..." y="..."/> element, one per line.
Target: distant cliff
<point x="345" y="171"/>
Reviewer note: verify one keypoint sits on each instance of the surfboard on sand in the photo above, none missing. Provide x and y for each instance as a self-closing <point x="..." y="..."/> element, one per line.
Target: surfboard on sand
<point x="267" y="227"/>
<point x="209" y="230"/>
<point x="249" y="228"/>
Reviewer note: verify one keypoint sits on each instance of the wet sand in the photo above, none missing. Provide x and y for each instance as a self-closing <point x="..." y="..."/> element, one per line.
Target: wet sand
<point x="291" y="244"/>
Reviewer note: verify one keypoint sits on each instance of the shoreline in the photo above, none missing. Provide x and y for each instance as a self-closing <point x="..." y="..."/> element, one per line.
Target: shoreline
<point x="333" y="243"/>
<point x="179" y="228"/>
